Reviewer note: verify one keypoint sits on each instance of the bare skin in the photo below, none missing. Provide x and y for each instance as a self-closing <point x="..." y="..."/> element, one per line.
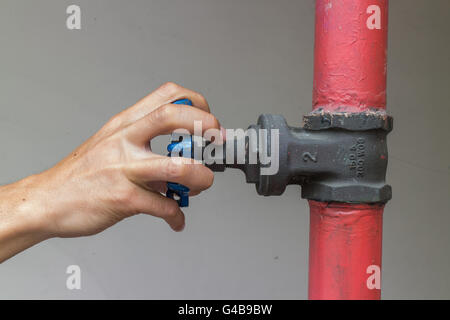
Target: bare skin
<point x="112" y="176"/>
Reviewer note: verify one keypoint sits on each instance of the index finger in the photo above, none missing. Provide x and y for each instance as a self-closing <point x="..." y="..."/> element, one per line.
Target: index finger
<point x="169" y="118"/>
<point x="165" y="94"/>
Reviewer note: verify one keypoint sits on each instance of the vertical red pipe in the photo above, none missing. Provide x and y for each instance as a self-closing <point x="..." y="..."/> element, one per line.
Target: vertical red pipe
<point x="349" y="76"/>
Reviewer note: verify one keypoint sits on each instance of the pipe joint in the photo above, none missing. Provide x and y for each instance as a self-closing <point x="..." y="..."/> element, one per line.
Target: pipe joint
<point x="334" y="157"/>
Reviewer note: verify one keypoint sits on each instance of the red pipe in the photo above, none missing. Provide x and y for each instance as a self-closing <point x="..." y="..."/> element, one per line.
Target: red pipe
<point x="349" y="76"/>
<point x="345" y="240"/>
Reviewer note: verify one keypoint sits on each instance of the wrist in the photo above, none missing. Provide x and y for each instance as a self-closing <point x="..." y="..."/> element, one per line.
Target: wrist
<point x="24" y="211"/>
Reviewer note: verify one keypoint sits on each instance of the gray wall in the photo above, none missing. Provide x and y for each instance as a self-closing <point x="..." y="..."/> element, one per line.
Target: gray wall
<point x="57" y="87"/>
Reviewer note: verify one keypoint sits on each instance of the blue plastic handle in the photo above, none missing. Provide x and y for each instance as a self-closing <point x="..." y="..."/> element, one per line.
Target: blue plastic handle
<point x="180" y="147"/>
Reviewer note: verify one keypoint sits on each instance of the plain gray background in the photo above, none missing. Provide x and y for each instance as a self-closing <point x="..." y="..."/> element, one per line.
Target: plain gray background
<point x="58" y="87"/>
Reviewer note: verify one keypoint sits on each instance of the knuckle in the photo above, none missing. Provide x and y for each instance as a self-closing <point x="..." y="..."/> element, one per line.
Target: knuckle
<point x="169" y="111"/>
<point x="169" y="89"/>
<point x="166" y="112"/>
<point x="171" y="209"/>
<point x="163" y="115"/>
<point x="175" y="170"/>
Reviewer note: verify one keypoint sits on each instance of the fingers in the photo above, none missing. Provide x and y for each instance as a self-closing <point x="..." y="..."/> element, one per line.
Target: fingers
<point x="161" y="187"/>
<point x="158" y="205"/>
<point x="167" y="119"/>
<point x="167" y="93"/>
<point x="184" y="171"/>
<point x="171" y="92"/>
<point x="158" y="186"/>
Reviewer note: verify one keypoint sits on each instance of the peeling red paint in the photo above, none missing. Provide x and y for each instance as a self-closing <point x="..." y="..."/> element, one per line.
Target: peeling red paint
<point x="349" y="76"/>
<point x="350" y="58"/>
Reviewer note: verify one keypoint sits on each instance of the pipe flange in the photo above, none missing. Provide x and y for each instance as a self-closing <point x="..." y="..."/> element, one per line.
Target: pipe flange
<point x="362" y="121"/>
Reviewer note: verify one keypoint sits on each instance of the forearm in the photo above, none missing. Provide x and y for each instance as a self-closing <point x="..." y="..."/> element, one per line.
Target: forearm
<point x="22" y="215"/>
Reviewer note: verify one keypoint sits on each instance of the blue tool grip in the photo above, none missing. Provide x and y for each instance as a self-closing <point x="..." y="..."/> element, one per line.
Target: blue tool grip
<point x="180" y="147"/>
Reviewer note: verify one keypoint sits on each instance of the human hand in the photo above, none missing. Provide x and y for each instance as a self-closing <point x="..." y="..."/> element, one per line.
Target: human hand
<point x="115" y="174"/>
